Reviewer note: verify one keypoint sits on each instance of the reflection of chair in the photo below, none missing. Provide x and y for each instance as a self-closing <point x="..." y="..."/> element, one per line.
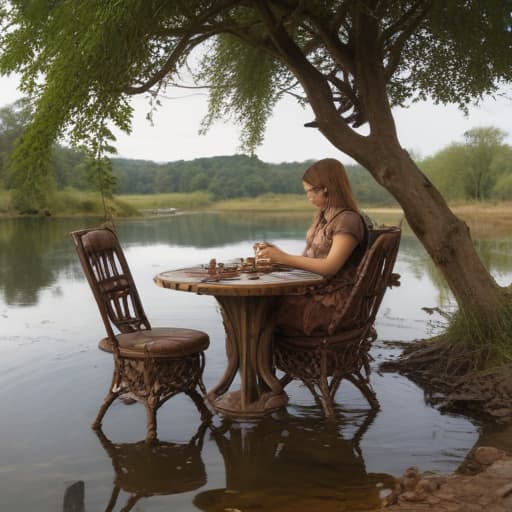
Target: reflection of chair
<point x="290" y="462"/>
<point x="344" y="355"/>
<point x="143" y="470"/>
<point x="151" y="365"/>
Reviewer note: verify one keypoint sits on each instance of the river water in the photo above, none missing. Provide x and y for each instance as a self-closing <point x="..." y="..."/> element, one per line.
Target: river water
<point x="53" y="379"/>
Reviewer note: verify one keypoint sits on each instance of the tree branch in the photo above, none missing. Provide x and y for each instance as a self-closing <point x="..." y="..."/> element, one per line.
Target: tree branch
<point x="315" y="84"/>
<point x="185" y="45"/>
<point x="395" y="49"/>
<point x="403" y="20"/>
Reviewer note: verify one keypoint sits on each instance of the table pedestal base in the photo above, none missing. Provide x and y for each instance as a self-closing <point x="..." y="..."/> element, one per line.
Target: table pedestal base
<point x="230" y="405"/>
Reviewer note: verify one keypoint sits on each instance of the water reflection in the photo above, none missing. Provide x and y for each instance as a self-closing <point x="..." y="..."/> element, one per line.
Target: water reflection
<point x="34" y="251"/>
<point x="495" y="255"/>
<point x="210" y="229"/>
<point x="49" y="330"/>
<point x="294" y="463"/>
<point x="143" y="470"/>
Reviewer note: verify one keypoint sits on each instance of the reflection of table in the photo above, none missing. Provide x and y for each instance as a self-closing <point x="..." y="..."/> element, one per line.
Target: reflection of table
<point x="246" y="305"/>
<point x="288" y="462"/>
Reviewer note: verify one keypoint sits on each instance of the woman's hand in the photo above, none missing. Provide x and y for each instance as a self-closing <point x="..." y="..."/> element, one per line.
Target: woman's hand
<point x="341" y="249"/>
<point x="271" y="252"/>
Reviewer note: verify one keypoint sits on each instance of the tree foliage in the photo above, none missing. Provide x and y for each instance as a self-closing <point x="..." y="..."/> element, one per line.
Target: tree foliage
<point x="80" y="61"/>
<point x="482" y="160"/>
<point x="478" y="170"/>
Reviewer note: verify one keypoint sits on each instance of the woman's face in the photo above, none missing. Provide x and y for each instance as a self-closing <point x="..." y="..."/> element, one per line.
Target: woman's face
<point x="315" y="195"/>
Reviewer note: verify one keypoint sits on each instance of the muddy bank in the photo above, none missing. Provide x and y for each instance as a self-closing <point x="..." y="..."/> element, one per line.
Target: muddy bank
<point x="484" y="481"/>
<point x="490" y="490"/>
<point x="484" y="396"/>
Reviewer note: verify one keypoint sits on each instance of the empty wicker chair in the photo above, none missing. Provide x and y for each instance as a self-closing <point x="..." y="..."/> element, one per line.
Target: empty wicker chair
<point x="322" y="362"/>
<point x="150" y="365"/>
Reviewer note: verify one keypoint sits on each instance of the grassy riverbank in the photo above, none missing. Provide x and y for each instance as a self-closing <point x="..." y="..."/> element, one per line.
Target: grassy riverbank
<point x="72" y="202"/>
<point x="482" y="218"/>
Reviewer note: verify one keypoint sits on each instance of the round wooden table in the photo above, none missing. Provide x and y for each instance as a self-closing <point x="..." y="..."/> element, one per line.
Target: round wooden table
<point x="246" y="302"/>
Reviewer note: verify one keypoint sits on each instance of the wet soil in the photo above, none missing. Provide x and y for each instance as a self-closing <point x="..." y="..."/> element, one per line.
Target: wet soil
<point x="484" y="480"/>
<point x="490" y="490"/>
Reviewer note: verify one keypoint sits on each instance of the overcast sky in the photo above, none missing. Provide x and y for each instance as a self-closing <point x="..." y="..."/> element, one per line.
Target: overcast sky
<point x="424" y="128"/>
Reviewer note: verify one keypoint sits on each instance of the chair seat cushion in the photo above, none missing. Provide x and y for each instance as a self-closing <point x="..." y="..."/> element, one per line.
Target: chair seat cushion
<point x="161" y="342"/>
<point x="315" y="341"/>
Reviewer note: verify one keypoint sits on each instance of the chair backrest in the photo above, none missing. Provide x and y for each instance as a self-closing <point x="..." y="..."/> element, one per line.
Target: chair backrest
<point x="372" y="278"/>
<point x="111" y="281"/>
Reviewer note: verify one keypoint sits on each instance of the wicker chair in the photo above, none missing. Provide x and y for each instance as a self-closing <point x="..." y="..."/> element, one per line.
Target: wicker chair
<point x="322" y="362"/>
<point x="150" y="365"/>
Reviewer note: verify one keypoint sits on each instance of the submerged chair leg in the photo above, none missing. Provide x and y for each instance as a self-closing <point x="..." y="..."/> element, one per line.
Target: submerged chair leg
<point x="151" y="408"/>
<point x="335" y="384"/>
<point x="366" y="390"/>
<point x="327" y="405"/>
<point x="107" y="402"/>
<point x="113" y="498"/>
<point x="323" y="384"/>
<point x="199" y="403"/>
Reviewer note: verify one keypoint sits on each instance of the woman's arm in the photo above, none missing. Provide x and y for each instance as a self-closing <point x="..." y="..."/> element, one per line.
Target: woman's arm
<point x="341" y="248"/>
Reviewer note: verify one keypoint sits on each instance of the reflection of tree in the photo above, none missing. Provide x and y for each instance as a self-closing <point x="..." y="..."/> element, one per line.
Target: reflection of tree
<point x="31" y="256"/>
<point x="495" y="255"/>
<point x="289" y="459"/>
<point x="154" y="469"/>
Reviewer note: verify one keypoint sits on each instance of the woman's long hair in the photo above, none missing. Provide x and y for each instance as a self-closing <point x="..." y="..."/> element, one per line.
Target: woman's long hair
<point x="330" y="174"/>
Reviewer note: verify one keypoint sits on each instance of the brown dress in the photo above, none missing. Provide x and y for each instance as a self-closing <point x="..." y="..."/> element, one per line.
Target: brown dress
<point x="319" y="311"/>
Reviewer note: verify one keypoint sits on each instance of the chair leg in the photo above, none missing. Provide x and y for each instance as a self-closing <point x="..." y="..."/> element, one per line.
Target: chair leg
<point x="323" y="384"/>
<point x="366" y="390"/>
<point x="107" y="402"/>
<point x="132" y="501"/>
<point x="326" y="398"/>
<point x="335" y="384"/>
<point x="285" y="380"/>
<point x="199" y="403"/>
<point x="151" y="408"/>
<point x="318" y="396"/>
<point x="113" y="498"/>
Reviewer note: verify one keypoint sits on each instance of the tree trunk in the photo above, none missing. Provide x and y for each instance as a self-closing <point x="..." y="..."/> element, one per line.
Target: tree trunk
<point x="445" y="237"/>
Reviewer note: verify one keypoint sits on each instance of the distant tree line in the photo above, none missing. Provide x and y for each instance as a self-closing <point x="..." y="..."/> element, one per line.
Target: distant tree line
<point x="479" y="169"/>
<point x="227" y="177"/>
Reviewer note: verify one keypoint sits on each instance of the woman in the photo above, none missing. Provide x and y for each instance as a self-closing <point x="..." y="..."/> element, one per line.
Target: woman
<point x="335" y="244"/>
